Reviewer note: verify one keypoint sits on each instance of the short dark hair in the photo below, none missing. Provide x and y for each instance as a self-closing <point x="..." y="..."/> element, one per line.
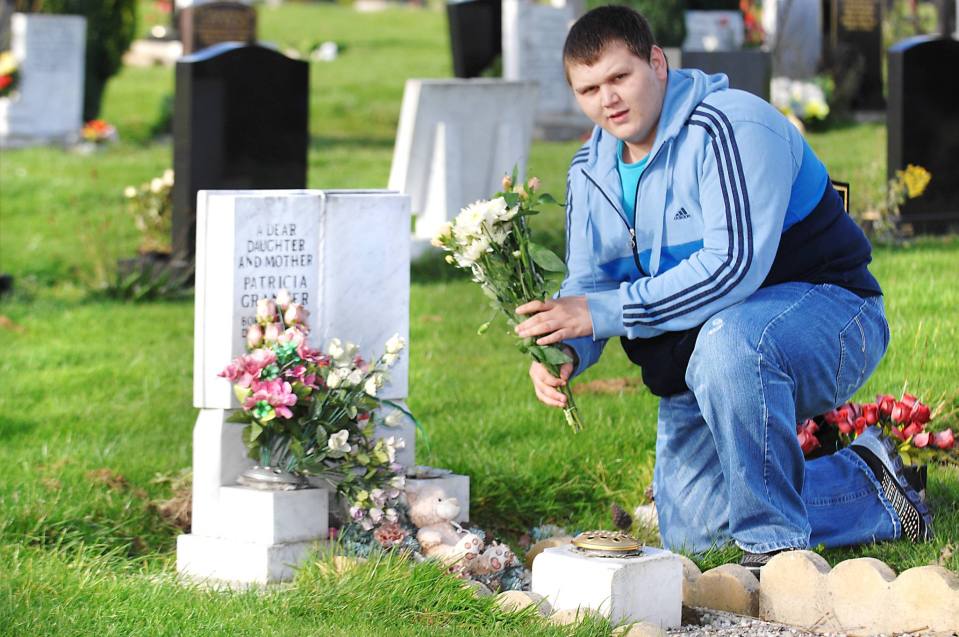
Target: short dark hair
<point x="592" y="33"/>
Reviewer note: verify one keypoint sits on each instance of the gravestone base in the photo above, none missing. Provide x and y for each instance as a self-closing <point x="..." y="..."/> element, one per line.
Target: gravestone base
<point x="157" y="268"/>
<point x="646" y="588"/>
<point x="560" y="127"/>
<point x="216" y="559"/>
<point x="453" y="484"/>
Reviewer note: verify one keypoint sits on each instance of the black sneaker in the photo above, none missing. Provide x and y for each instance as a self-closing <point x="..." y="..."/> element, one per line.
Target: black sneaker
<point x="881" y="455"/>
<point x="755" y="561"/>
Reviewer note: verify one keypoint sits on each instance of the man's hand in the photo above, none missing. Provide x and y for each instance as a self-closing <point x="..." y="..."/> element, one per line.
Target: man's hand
<point x="559" y="319"/>
<point x="545" y="384"/>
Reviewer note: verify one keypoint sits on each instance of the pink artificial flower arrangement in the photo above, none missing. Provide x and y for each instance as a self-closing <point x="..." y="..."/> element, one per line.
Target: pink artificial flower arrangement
<point x="905" y="420"/>
<point x="313" y="413"/>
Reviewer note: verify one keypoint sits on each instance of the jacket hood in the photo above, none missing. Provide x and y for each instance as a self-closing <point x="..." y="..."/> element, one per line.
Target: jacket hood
<point x="685" y="89"/>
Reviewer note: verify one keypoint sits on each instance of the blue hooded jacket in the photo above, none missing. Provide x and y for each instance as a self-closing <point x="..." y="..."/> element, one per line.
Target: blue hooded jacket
<point x="732" y="198"/>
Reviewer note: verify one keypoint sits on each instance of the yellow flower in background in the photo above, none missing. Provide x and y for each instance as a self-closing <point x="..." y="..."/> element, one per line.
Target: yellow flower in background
<point x="8" y="63"/>
<point x="915" y="179"/>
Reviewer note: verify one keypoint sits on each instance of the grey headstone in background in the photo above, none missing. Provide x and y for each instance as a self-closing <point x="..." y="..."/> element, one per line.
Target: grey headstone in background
<point x="533" y="38"/>
<point x="714" y="31"/>
<point x="49" y="106"/>
<point x="748" y="69"/>
<point x="794" y="36"/>
<point x="922" y="120"/>
<point x="241" y="120"/>
<point x="6" y="11"/>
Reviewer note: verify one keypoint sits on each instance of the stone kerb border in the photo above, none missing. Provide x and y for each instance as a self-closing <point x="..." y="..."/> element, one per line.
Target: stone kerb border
<point x="859" y="597"/>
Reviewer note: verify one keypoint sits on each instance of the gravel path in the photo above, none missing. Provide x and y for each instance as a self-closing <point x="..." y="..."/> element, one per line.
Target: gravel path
<point x="716" y="623"/>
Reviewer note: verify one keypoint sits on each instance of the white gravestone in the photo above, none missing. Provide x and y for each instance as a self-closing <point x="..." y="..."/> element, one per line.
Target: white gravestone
<point x="794" y="36"/>
<point x="456" y="139"/>
<point x="337" y="252"/>
<point x="533" y="38"/>
<point x="714" y="31"/>
<point x="48" y="105"/>
<point x="645" y="588"/>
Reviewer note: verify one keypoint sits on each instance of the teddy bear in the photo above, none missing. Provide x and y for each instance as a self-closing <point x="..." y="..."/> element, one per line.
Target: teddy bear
<point x="433" y="512"/>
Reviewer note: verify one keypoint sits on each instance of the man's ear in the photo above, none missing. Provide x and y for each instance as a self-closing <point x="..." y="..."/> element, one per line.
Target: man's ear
<point x="657" y="60"/>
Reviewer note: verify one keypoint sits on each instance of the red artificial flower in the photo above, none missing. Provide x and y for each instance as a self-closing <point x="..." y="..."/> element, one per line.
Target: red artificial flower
<point x="870" y="412"/>
<point x="900" y="412"/>
<point x="810" y="426"/>
<point x="885" y="403"/>
<point x="911" y="430"/>
<point x="909" y="400"/>
<point x="860" y="424"/>
<point x="920" y="413"/>
<point x="920" y="440"/>
<point x="5" y="81"/>
<point x="807" y="441"/>
<point x="844" y="413"/>
<point x="845" y="426"/>
<point x="944" y="439"/>
<point x="897" y="432"/>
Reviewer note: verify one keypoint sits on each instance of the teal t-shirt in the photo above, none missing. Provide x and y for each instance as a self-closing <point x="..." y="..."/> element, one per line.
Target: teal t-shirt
<point x="629" y="175"/>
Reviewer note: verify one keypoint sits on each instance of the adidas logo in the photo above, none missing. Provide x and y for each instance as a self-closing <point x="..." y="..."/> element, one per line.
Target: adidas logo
<point x="682" y="214"/>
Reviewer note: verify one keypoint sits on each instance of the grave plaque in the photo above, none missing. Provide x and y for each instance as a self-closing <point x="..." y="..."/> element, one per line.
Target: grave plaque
<point x="714" y="31"/>
<point x="240" y="121"/>
<point x="856" y="33"/>
<point x="923" y="126"/>
<point x="215" y="22"/>
<point x="48" y="105"/>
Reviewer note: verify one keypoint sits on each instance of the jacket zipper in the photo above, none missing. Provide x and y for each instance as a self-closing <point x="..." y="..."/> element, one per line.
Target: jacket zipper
<point x="630" y="229"/>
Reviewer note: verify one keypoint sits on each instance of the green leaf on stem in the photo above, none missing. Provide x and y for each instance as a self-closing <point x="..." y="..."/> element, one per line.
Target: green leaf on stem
<point x="546" y="258"/>
<point x="547" y="199"/>
<point x="482" y="328"/>
<point x="239" y="417"/>
<point x="555" y="355"/>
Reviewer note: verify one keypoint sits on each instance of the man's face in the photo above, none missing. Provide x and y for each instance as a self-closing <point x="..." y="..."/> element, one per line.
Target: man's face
<point x="623" y="94"/>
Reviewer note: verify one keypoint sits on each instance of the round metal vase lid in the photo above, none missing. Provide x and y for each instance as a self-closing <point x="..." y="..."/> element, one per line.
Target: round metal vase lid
<point x="607" y="544"/>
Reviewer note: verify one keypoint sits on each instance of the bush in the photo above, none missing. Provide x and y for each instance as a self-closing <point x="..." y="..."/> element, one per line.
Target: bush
<point x="664" y="16"/>
<point x="111" y="25"/>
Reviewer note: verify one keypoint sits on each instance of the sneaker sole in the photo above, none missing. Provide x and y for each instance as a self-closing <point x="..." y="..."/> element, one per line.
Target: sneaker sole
<point x="914" y="515"/>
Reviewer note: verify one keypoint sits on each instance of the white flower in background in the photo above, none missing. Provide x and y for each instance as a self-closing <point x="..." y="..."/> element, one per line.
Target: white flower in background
<point x="335" y="348"/>
<point x="156" y="185"/>
<point x="376" y="514"/>
<point x="373" y="384"/>
<point x="378" y="496"/>
<point x="355" y="377"/>
<point x="395" y="345"/>
<point x="391" y="515"/>
<point x="338" y="442"/>
<point x="398" y="482"/>
<point x="394" y="418"/>
<point x="390" y="359"/>
<point x="469" y="222"/>
<point x="392" y="444"/>
<point x="129" y="192"/>
<point x="167" y="177"/>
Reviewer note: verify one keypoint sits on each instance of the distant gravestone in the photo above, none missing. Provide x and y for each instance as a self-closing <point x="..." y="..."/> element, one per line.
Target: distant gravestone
<point x="48" y="105"/>
<point x="344" y="255"/>
<point x="211" y="23"/>
<point x="794" y="31"/>
<point x="748" y="70"/>
<point x="240" y="122"/>
<point x="6" y="12"/>
<point x="475" y="35"/>
<point x="533" y="38"/>
<point x="856" y="40"/>
<point x="714" y="31"/>
<point x="923" y="126"/>
<point x="455" y="141"/>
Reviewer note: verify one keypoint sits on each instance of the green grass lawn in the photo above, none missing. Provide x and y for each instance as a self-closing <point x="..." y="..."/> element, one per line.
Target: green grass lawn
<point x="96" y="395"/>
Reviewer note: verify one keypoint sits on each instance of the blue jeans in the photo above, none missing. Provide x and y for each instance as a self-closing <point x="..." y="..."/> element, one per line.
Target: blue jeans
<point x="728" y="463"/>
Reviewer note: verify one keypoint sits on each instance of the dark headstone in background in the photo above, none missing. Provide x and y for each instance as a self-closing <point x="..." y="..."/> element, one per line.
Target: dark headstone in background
<point x="922" y="123"/>
<point x="476" y="28"/>
<point x="747" y="69"/>
<point x="241" y="120"/>
<point x="855" y="41"/>
<point x="6" y="11"/>
<point x="215" y="22"/>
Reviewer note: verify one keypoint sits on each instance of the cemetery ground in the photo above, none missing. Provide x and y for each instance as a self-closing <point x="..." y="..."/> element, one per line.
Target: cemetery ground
<point x="95" y="406"/>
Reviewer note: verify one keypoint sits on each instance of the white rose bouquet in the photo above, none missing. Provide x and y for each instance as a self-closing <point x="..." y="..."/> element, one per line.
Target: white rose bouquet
<point x="492" y="240"/>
